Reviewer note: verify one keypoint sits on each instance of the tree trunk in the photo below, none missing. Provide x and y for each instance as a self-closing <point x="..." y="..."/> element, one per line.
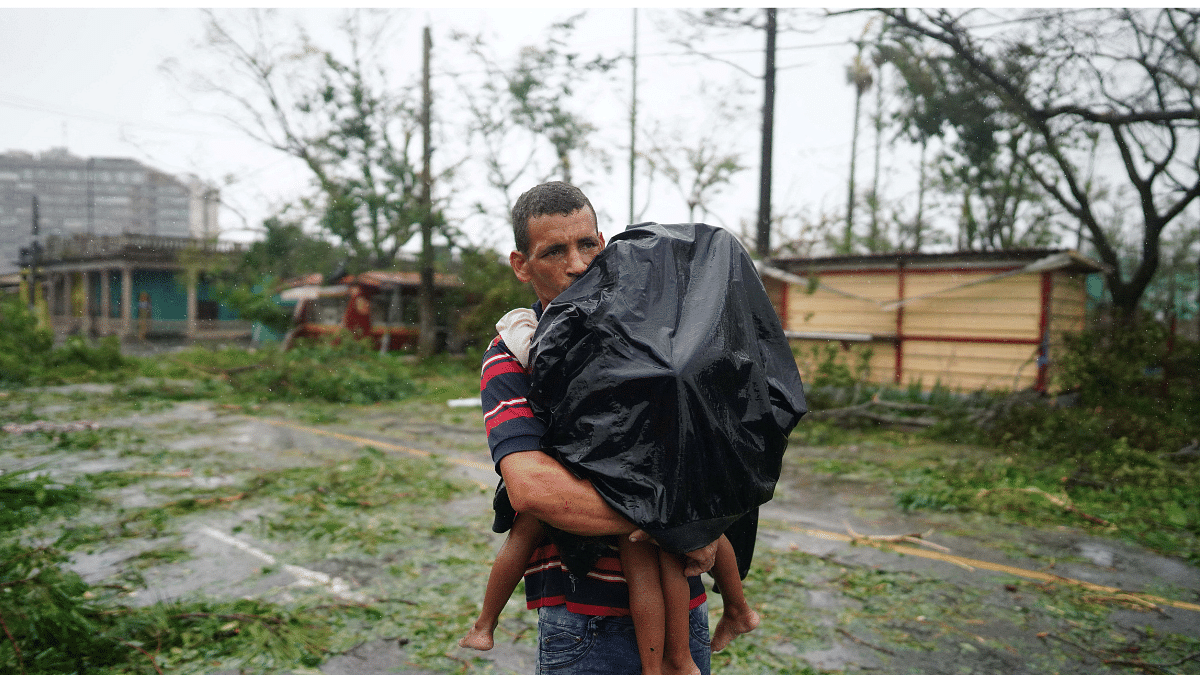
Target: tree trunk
<point x="919" y="225"/>
<point x="876" y="245"/>
<point x="848" y="237"/>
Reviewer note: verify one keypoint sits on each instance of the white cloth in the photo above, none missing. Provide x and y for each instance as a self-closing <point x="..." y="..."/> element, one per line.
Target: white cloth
<point x="516" y="329"/>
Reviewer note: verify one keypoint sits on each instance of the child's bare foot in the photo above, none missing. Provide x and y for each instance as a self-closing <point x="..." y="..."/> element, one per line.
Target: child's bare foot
<point x="478" y="638"/>
<point x="732" y="624"/>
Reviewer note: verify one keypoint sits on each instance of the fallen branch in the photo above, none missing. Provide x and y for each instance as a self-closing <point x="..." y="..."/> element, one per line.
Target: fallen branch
<point x="13" y="640"/>
<point x="838" y="413"/>
<point x="1065" y="504"/>
<point x="49" y="427"/>
<point x="1155" y="666"/>
<point x="1186" y="453"/>
<point x="1132" y="600"/>
<point x="914" y="538"/>
<point x="186" y="473"/>
<point x="228" y="617"/>
<point x="223" y="372"/>
<point x="904" y="406"/>
<point x="863" y="642"/>
<point x="403" y="601"/>
<point x="863" y="411"/>
<point x="146" y="654"/>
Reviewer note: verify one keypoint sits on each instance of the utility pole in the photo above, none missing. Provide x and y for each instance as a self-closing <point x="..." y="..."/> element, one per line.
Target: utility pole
<point x="427" y="338"/>
<point x="633" y="119"/>
<point x="34" y="254"/>
<point x="763" y="240"/>
<point x="91" y="195"/>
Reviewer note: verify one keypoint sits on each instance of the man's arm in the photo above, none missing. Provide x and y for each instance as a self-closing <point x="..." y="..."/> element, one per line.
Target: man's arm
<point x="540" y="486"/>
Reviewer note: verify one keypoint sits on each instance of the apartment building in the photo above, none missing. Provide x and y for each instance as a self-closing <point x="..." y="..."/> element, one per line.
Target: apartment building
<point x="96" y="196"/>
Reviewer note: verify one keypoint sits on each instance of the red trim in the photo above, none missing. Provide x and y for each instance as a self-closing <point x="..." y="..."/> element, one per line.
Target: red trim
<point x="595" y="610"/>
<point x="1044" y="332"/>
<point x="900" y="272"/>
<point x="576" y="607"/>
<point x="598" y="610"/>
<point x="505" y="415"/>
<point x="784" y="291"/>
<point x="504" y="366"/>
<point x="982" y="340"/>
<point x="921" y="270"/>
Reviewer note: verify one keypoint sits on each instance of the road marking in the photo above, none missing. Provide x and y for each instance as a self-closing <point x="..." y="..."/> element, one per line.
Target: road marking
<point x="470" y="463"/>
<point x="967" y="563"/>
<point x="304" y="576"/>
<point x="972" y="564"/>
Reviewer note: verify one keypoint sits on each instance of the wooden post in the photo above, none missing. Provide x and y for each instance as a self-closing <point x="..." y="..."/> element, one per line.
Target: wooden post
<point x="105" y="301"/>
<point x="763" y="240"/>
<point x="192" y="303"/>
<point x="428" y="335"/>
<point x="126" y="301"/>
<point x="899" y="371"/>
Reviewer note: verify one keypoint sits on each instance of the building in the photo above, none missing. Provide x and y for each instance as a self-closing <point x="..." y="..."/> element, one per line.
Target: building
<point x="136" y="286"/>
<point x="97" y="196"/>
<point x="967" y="321"/>
<point x="382" y="305"/>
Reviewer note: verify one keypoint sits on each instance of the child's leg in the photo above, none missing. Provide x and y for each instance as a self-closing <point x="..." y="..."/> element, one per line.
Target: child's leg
<point x="737" y="617"/>
<point x="676" y="599"/>
<point x="506" y="573"/>
<point x="640" y="564"/>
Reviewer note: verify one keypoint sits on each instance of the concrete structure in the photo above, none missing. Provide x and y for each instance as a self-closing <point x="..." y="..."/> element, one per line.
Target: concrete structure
<point x="96" y="196"/>
<point x="967" y="321"/>
<point x="136" y="286"/>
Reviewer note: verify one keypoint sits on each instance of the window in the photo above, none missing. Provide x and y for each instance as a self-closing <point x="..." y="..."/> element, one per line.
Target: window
<point x="328" y="310"/>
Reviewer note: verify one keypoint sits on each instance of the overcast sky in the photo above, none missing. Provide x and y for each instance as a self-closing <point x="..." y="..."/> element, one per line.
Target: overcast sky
<point x="90" y="80"/>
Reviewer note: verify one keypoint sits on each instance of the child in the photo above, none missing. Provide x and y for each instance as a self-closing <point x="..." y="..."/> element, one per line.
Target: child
<point x="658" y="590"/>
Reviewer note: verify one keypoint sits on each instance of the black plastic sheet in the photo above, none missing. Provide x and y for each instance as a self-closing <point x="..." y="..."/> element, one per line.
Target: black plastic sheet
<point x="664" y="377"/>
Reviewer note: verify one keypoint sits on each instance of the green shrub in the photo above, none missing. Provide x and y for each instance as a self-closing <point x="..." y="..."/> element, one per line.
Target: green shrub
<point x="339" y="370"/>
<point x="24" y="346"/>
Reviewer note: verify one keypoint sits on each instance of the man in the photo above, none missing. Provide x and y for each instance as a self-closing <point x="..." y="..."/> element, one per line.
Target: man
<point x="583" y="622"/>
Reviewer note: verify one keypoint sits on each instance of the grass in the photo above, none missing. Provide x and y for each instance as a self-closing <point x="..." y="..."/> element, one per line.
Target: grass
<point x="387" y="524"/>
<point x="1150" y="502"/>
<point x="896" y="621"/>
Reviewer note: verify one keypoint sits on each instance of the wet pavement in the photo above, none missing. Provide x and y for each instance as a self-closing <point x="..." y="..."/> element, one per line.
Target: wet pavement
<point x="228" y="559"/>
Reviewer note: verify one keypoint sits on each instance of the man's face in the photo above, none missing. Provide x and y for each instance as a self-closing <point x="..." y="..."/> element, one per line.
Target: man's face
<point x="560" y="249"/>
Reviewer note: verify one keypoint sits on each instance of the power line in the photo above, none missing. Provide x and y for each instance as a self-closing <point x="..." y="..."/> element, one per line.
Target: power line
<point x="7" y="100"/>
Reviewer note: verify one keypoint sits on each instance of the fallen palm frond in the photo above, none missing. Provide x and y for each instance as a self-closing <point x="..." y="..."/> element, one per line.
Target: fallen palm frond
<point x="1061" y="502"/>
<point x="54" y="622"/>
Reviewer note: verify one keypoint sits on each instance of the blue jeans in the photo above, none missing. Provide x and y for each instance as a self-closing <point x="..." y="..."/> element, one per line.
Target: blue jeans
<point x="578" y="644"/>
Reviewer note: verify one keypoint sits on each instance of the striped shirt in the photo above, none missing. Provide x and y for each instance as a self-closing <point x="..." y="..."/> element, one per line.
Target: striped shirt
<point x="512" y="427"/>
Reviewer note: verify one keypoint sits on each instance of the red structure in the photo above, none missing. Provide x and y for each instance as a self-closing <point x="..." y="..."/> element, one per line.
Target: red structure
<point x="380" y="305"/>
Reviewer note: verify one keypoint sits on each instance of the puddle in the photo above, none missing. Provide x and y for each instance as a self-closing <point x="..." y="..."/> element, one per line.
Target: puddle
<point x="1099" y="555"/>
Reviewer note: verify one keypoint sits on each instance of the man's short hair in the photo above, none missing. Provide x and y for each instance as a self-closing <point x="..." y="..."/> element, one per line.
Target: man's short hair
<point x="553" y="198"/>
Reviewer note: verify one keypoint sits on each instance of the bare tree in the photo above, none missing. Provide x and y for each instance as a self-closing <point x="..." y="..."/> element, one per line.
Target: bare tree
<point x="340" y="116"/>
<point x="522" y="107"/>
<point x="700" y="162"/>
<point x="858" y="75"/>
<point x="1128" y="80"/>
<point x="701" y="24"/>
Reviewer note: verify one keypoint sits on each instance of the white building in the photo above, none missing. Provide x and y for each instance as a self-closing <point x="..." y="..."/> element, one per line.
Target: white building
<point x="96" y="196"/>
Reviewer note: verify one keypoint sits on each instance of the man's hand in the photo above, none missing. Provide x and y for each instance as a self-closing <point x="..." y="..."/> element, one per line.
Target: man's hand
<point x="697" y="562"/>
<point x="700" y="560"/>
<point x="540" y="486"/>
